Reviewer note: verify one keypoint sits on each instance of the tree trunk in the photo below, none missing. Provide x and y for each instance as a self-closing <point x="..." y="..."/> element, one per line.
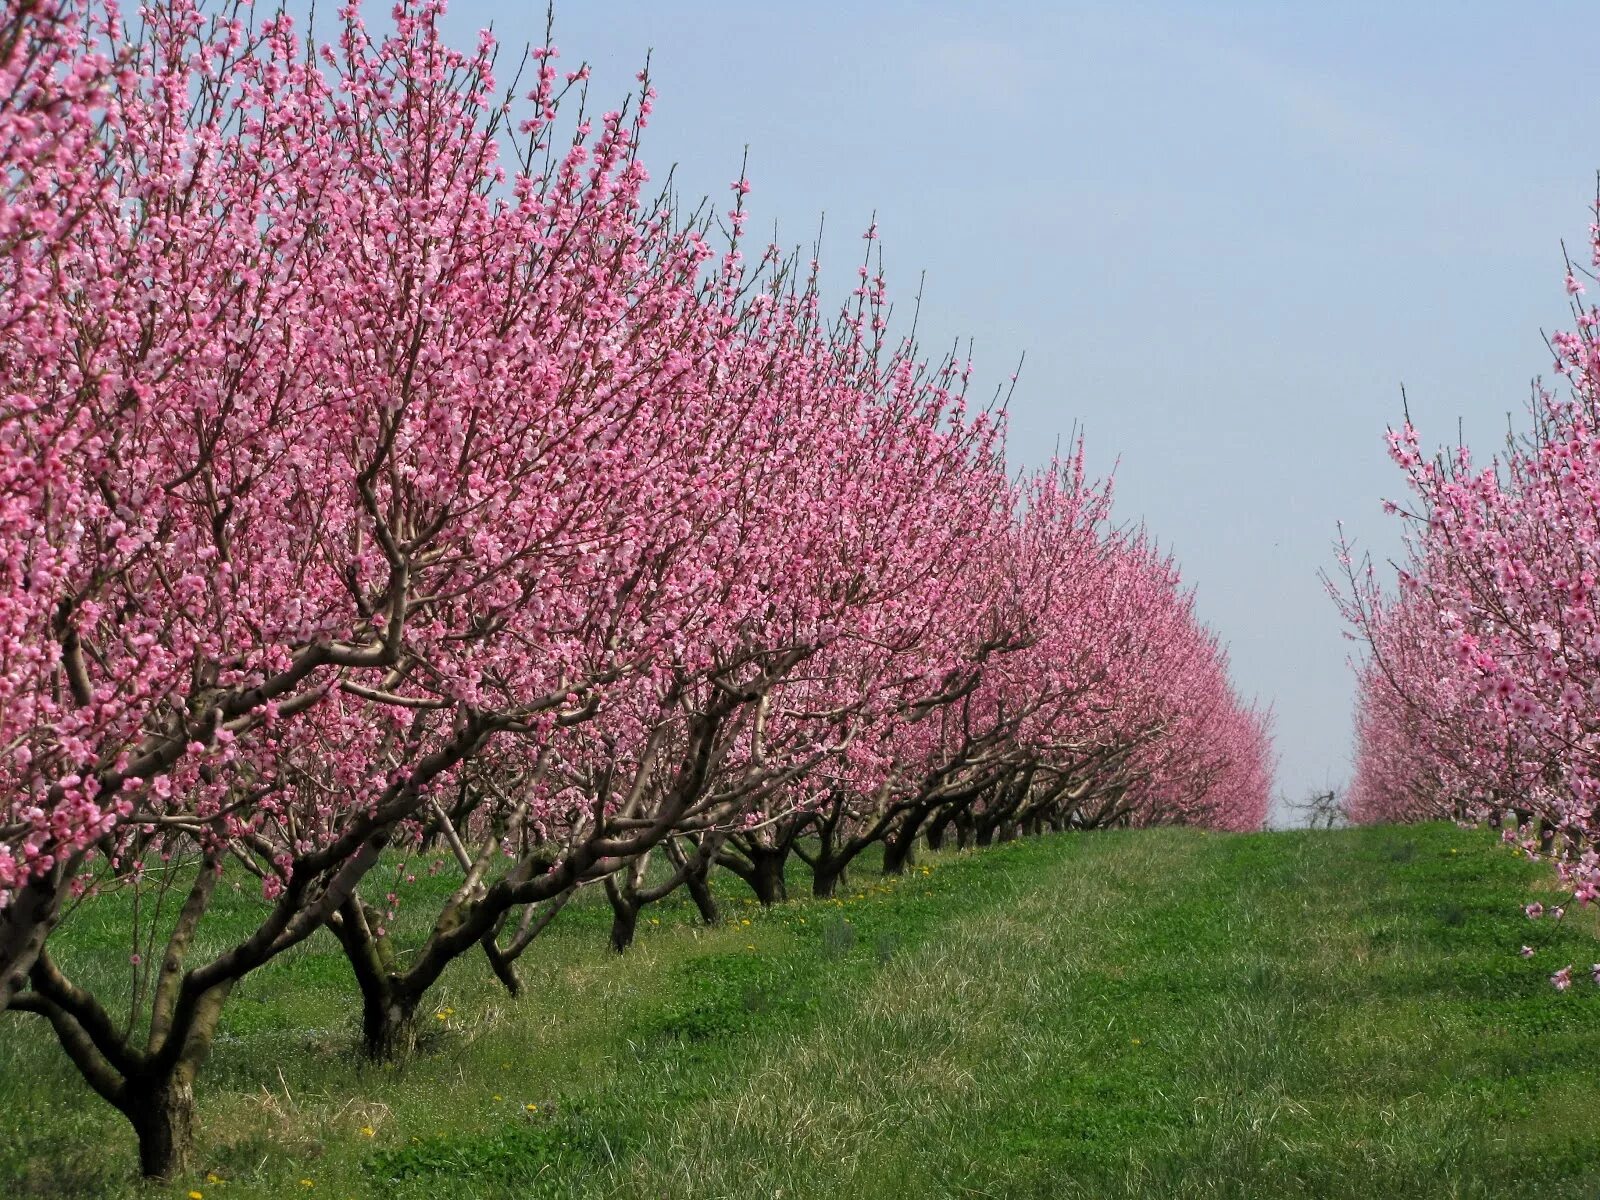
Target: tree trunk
<point x="162" y="1114"/>
<point x="766" y="876"/>
<point x="936" y="833"/>
<point x="964" y="831"/>
<point x="699" y="884"/>
<point x="388" y="1026"/>
<point x="900" y="852"/>
<point x="624" y="924"/>
<point x="388" y="1007"/>
<point x="825" y="877"/>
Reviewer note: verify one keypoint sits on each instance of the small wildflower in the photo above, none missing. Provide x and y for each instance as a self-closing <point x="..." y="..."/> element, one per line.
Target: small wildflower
<point x="531" y="1107"/>
<point x="749" y="947"/>
<point x="499" y="1097"/>
<point x="1135" y="1041"/>
<point x="197" y="1196"/>
<point x="746" y="921"/>
<point x="368" y="1131"/>
<point x="308" y="1183"/>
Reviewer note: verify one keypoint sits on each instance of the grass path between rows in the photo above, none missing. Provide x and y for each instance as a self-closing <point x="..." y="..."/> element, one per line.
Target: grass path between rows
<point x="1145" y="1013"/>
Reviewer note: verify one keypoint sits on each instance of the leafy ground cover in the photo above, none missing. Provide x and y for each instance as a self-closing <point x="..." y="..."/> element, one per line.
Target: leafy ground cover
<point x="1146" y="1013"/>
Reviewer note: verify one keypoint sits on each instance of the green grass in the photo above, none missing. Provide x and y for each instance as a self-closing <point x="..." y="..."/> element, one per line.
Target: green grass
<point x="1158" y="1013"/>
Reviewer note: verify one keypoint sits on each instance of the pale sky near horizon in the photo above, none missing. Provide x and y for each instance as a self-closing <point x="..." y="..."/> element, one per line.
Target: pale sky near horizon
<point x="1224" y="234"/>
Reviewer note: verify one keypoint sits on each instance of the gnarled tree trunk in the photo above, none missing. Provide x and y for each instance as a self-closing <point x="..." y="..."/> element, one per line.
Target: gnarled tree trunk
<point x="900" y="851"/>
<point x="762" y="869"/>
<point x="162" y="1113"/>
<point x="624" y="915"/>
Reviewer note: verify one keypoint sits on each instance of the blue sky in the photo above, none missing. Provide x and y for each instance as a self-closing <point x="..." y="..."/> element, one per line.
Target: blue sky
<point x="1224" y="235"/>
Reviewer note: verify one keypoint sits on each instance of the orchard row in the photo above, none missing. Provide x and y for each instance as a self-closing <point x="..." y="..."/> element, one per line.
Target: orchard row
<point x="1479" y="698"/>
<point x="383" y="464"/>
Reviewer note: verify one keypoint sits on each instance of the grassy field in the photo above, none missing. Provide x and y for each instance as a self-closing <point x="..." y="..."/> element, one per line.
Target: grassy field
<point x="1160" y="1013"/>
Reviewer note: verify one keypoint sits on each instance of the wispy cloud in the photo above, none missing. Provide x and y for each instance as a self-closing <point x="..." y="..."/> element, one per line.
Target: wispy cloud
<point x="1326" y="109"/>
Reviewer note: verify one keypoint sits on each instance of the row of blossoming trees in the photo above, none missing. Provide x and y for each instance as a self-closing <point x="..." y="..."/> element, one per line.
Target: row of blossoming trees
<point x="1479" y="699"/>
<point x="381" y="464"/>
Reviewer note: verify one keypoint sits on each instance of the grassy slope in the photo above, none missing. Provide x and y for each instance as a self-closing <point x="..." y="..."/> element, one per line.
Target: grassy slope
<point x="1130" y="1014"/>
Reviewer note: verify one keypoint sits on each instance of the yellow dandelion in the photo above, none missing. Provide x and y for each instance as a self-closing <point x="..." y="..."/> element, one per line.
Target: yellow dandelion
<point x="499" y="1097"/>
<point x="213" y="1177"/>
<point x="1135" y="1041"/>
<point x="308" y="1183"/>
<point x="531" y="1107"/>
<point x="197" y="1196"/>
<point x="368" y="1131"/>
